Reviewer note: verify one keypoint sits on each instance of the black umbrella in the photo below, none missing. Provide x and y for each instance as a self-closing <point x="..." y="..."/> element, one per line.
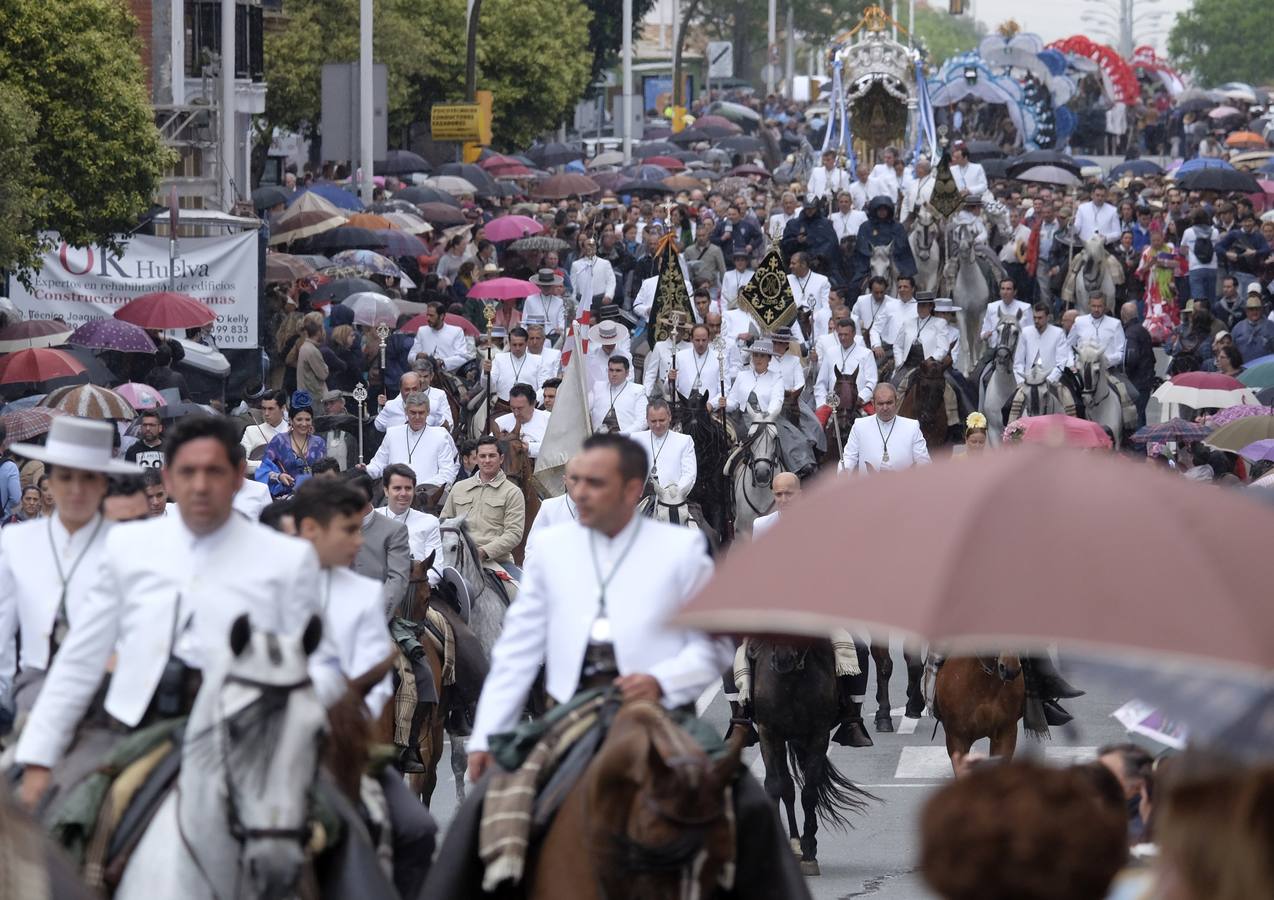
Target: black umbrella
<point x="338" y="289"/>
<point x="1222" y="181"/>
<point x="980" y="150"/>
<point x="475" y="175"/>
<point x="541" y="242"/>
<point x="690" y="136"/>
<point x="554" y="154"/>
<point x="1195" y="104"/>
<point x="654" y="188"/>
<point x="1024" y="161"/>
<point x="441" y="214"/>
<point x="1138" y="168"/>
<point x="422" y="194"/>
<point x="740" y="143"/>
<point x="654" y="148"/>
<point x="348" y="238"/>
<point x="401" y="162"/>
<point x="269" y="197"/>
<point x="995" y="168"/>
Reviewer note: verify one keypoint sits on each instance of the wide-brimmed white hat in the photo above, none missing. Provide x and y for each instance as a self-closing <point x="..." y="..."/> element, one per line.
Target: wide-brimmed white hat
<point x="944" y="304"/>
<point x="762" y="346"/>
<point x="608" y="332"/>
<point x="78" y="443"/>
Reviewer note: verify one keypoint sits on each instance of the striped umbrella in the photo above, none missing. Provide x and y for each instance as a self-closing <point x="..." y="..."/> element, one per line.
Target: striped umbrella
<point x="90" y="402"/>
<point x="24" y="424"/>
<point x="1178" y="430"/>
<point x="32" y="333"/>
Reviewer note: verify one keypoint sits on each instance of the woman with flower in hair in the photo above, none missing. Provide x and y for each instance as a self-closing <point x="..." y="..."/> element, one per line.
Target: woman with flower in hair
<point x="975" y="438"/>
<point x="291" y="454"/>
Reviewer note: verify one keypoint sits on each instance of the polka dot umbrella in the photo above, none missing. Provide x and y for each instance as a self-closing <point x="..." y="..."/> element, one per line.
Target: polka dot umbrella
<point x="112" y="334"/>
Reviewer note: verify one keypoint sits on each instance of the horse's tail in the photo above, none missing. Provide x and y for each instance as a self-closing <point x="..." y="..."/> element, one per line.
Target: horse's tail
<point x="835" y="794"/>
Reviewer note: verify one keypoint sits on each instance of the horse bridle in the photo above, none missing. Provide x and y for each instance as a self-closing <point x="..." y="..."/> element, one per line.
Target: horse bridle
<point x="1088" y="391"/>
<point x="924" y="248"/>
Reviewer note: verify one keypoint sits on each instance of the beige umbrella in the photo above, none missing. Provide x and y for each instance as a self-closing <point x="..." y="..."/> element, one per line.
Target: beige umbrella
<point x="1241" y="432"/>
<point x="308" y="216"/>
<point x="90" y="402"/>
<point x="452" y="184"/>
<point x="1019" y="548"/>
<point x="409" y="223"/>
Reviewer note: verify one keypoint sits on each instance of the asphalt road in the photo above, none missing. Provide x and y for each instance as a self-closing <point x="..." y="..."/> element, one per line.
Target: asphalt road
<point x="878" y="857"/>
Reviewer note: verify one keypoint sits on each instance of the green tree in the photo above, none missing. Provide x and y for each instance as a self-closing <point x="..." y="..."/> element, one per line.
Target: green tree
<point x="1224" y="40"/>
<point x="96" y="156"/>
<point x="18" y="236"/>
<point x="944" y="35"/>
<point x="605" y="32"/>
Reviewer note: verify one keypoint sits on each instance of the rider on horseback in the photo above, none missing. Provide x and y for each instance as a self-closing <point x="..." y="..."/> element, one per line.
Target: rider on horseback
<point x="880" y="230"/>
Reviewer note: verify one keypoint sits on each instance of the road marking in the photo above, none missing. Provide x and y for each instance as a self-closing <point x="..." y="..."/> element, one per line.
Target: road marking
<point x="705" y="699"/>
<point x="907" y="726"/>
<point x="917" y="763"/>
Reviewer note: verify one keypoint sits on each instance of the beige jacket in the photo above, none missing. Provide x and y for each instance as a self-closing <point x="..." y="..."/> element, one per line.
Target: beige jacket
<point x="311" y="371"/>
<point x="495" y="513"/>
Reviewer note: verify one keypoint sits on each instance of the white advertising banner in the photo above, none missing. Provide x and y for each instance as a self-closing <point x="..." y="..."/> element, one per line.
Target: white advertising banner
<point x="80" y="284"/>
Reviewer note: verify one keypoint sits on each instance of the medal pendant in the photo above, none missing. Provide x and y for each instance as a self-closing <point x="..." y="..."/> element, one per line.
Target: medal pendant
<point x="885" y="457"/>
<point x="599" y="633"/>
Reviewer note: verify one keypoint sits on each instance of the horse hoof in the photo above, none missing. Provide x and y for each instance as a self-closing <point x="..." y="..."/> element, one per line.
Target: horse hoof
<point x="810" y="867"/>
<point x="796" y="847"/>
<point x="885" y="726"/>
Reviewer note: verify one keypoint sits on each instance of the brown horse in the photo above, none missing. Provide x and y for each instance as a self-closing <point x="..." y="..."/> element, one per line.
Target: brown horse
<point x="648" y="818"/>
<point x="980" y="697"/>
<point x="519" y="466"/>
<point x="846" y="407"/>
<point x="925" y="401"/>
<point x="352" y="732"/>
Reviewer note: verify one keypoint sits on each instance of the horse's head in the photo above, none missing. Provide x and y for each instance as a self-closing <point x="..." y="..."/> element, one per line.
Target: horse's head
<point x="457" y="546"/>
<point x="662" y="803"/>
<point x="1008" y="666"/>
<point x="1091" y="362"/>
<point x="882" y="259"/>
<point x="785" y="659"/>
<point x="763" y="449"/>
<point x="266" y="726"/>
<point x="1009" y="330"/>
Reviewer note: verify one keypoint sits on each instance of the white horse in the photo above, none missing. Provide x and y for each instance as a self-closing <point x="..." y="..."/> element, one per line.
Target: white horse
<point x="926" y="248"/>
<point x="1094" y="271"/>
<point x="997" y="384"/>
<point x="752" y="468"/>
<point x="237" y="824"/>
<point x="967" y="285"/>
<point x="1037" y="396"/>
<point x="882" y="264"/>
<point x="1102" y="395"/>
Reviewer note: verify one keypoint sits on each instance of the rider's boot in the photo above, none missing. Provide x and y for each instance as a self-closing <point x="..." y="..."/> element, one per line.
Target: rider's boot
<point x="1054" y="714"/>
<point x="409" y="758"/>
<point x="851" y="732"/>
<point x="741" y="718"/>
<point x="1049" y="681"/>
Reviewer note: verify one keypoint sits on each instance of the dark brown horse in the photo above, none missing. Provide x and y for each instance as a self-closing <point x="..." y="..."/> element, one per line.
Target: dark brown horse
<point x="796" y="707"/>
<point x="647" y="819"/>
<point x="519" y="466"/>
<point x="846" y="407"/>
<point x="980" y="697"/>
<point x="884" y="672"/>
<point x="925" y="401"/>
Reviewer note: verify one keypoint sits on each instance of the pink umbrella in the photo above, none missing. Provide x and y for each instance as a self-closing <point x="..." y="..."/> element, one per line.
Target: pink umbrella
<point x="166" y="309"/>
<point x="511" y="228"/>
<point x="1058" y="431"/>
<point x="141" y="396"/>
<point x="1224" y="112"/>
<point x="502" y="289"/>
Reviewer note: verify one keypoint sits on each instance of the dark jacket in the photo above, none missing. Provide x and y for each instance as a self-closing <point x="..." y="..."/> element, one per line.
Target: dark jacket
<point x="816" y="236"/>
<point x="742" y="235"/>
<point x="877" y="232"/>
<point x="1139" y="356"/>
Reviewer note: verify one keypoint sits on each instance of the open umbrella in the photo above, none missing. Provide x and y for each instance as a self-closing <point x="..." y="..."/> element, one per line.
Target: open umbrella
<point x="683" y="183"/>
<point x="711" y="121"/>
<point x="750" y="170"/>
<point x="452" y="184"/>
<point x="732" y="112"/>
<point x="140" y="396"/>
<point x="89" y="401"/>
<point x="400" y="243"/>
<point x="270" y="196"/>
<point x="559" y="187"/>
<point x="981" y="150"/>
<point x="740" y="143"/>
<point x="476" y="175"/>
<point x="1046" y="175"/>
<point x="421" y="194"/>
<point x="1140" y="168"/>
<point x="1178" y="430"/>
<point x="384" y="207"/>
<point x="1204" y="390"/>
<point x="693" y="135"/>
<point x="646" y="172"/>
<point x="542" y="243"/>
<point x="510" y="228"/>
<point x="283" y="267"/>
<point x="1224" y="112"/>
<point x="305" y="224"/>
<point x="333" y="193"/>
<point x="1258" y="377"/>
<point x="409" y="222"/>
<point x="995" y="168"/>
<point x="671" y="163"/>
<point x="502" y="289"/>
<point x="1032" y="158"/>
<point x="1259" y="450"/>
<point x="554" y="154"/>
<point x="606" y="158"/>
<point x="166" y="309"/>
<point x="641" y="186"/>
<point x="32" y="333"/>
<point x="36" y="366"/>
<point x="24" y="424"/>
<point x="401" y="162"/>
<point x="347" y="238"/>
<point x="440" y="215"/>
<point x="1058" y="431"/>
<point x="112" y="334"/>
<point x="368" y="220"/>
<point x="1222" y="181"/>
<point x="976" y="587"/>
<point x="1236" y="435"/>
<point x="1201" y="162"/>
<point x="372" y="309"/>
<point x="1248" y="139"/>
<point x="654" y="148"/>
<point x="369" y="260"/>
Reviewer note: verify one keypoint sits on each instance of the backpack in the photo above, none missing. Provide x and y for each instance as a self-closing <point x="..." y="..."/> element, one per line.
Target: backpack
<point x="1203" y="249"/>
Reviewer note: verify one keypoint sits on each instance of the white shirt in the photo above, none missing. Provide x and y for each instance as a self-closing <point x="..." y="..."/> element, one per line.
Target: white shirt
<point x="628" y="400"/>
<point x="778" y="223"/>
<point x="858" y="192"/>
<point x="430" y="452"/>
<point x="762" y="524"/>
<point x="767" y="387"/>
<point x="156" y="573"/>
<point x="670" y="459"/>
<point x="354" y="614"/>
<point x="732" y="281"/>
<point x="883" y="182"/>
<point x="591" y="276"/>
<point x="1191" y="236"/>
<point x="933" y="334"/>
<point x="825" y="182"/>
<point x="652" y="574"/>
<point x="393" y="413"/>
<point x="423" y="536"/>
<point x="846" y="225"/>
<point x="870" y="439"/>
<point x="447" y="343"/>
<point x="702" y="373"/>
<point x="856" y="357"/>
<point x="550" y="364"/>
<point x="971" y="178"/>
<point x="811" y="292"/>
<point x="1091" y="219"/>
<point x="655" y="369"/>
<point x="550" y="308"/>
<point x="258" y="435"/>
<point x="998" y="308"/>
<point x="1050" y="348"/>
<point x="532" y="432"/>
<point x="915" y="194"/>
<point x="1107" y="332"/>
<point x="508" y="370"/>
<point x="252" y="499"/>
<point x="789" y="367"/>
<point x="882" y="320"/>
<point x="553" y="511"/>
<point x="31" y="555"/>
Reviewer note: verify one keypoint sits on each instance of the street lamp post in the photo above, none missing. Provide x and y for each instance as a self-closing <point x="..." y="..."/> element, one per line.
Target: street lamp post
<point x="366" y="143"/>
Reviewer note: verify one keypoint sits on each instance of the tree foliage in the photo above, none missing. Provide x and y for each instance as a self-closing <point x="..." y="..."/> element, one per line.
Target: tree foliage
<point x="1224" y="40"/>
<point x="944" y="35"/>
<point x="605" y="32"/>
<point x="533" y="55"/>
<point x="74" y="95"/>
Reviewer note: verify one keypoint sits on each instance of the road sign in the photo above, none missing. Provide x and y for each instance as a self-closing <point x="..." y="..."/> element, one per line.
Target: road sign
<point x="455" y="122"/>
<point x="720" y="59"/>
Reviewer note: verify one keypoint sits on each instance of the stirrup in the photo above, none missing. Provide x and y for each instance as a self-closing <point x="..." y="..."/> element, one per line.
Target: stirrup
<point x="409" y="761"/>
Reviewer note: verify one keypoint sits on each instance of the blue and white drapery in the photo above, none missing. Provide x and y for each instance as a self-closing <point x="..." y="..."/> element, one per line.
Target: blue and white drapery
<point x="926" y="132"/>
<point x="839" y="113"/>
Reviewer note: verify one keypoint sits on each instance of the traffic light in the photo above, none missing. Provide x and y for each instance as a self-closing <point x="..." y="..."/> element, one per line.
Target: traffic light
<point x="956" y="7"/>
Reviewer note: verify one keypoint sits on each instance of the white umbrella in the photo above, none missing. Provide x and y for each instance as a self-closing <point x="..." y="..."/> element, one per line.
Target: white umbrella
<point x="409" y="223"/>
<point x="372" y="309"/>
<point x="1049" y="175"/>
<point x="606" y="158"/>
<point x="452" y="184"/>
